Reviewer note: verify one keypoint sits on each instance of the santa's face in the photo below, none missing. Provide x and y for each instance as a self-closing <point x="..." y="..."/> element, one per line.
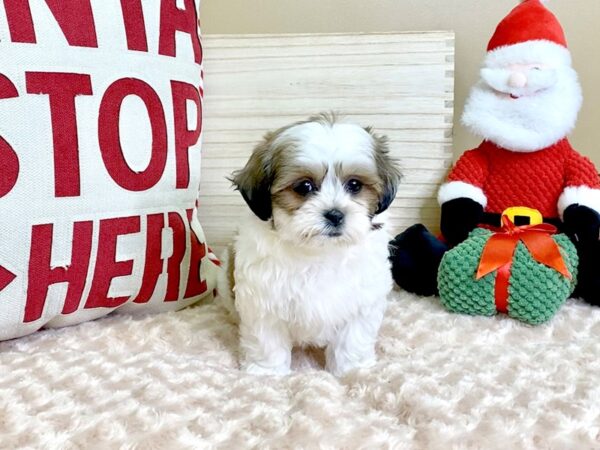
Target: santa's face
<point x="524" y="107"/>
<point x="520" y="80"/>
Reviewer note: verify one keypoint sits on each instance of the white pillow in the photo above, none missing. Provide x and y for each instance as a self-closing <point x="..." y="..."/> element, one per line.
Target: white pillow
<point x="100" y="119"/>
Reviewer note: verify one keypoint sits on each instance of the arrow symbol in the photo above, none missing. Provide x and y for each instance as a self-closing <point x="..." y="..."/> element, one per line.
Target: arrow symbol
<point x="6" y="277"/>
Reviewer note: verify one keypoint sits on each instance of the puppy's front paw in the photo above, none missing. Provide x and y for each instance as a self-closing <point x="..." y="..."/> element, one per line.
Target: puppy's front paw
<point x="257" y="369"/>
<point x="341" y="366"/>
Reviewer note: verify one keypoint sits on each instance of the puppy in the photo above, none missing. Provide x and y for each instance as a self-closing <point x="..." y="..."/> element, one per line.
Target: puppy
<point x="310" y="266"/>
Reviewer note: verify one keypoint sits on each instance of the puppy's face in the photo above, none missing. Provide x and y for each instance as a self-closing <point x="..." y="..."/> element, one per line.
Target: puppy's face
<point x="319" y="182"/>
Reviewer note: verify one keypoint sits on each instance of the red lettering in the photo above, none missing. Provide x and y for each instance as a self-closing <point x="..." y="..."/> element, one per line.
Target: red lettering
<point x="154" y="263"/>
<point x="173" y="19"/>
<point x="62" y="88"/>
<point x="106" y="266"/>
<point x="110" y="143"/>
<point x="42" y="275"/>
<point x="185" y="138"/>
<point x="135" y="27"/>
<point x="176" y="224"/>
<point x="9" y="167"/>
<point x="6" y="277"/>
<point x="7" y="88"/>
<point x="195" y="284"/>
<point x="74" y="17"/>
<point x="9" y="162"/>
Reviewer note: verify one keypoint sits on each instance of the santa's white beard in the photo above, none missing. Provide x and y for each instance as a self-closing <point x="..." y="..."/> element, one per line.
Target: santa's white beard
<point x="529" y="123"/>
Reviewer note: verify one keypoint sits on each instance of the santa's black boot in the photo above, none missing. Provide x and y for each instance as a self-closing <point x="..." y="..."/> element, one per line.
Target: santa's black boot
<point x="582" y="225"/>
<point x="588" y="280"/>
<point x="415" y="255"/>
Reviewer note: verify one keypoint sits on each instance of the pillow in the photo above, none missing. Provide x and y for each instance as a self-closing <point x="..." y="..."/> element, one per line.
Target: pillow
<point x="100" y="123"/>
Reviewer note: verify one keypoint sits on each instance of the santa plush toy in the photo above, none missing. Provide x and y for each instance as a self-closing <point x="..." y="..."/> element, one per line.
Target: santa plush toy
<point x="524" y="107"/>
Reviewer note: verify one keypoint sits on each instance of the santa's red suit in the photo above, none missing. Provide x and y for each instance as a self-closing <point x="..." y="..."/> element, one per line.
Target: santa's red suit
<point x="548" y="180"/>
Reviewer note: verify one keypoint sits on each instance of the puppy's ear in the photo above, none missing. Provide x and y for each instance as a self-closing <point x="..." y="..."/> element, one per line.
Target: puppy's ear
<point x="387" y="170"/>
<point x="255" y="179"/>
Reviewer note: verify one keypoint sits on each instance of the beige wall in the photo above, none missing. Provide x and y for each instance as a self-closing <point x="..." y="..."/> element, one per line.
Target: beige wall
<point x="473" y="21"/>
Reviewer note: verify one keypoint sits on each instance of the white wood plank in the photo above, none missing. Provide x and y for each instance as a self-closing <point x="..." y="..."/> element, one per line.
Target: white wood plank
<point x="400" y="83"/>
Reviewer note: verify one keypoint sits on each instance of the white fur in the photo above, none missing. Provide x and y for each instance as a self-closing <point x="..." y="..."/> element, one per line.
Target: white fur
<point x="529" y="123"/>
<point x="580" y="195"/>
<point x="288" y="295"/>
<point x="459" y="189"/>
<point x="536" y="51"/>
<point x="224" y="288"/>
<point x="321" y="144"/>
<point x="295" y="284"/>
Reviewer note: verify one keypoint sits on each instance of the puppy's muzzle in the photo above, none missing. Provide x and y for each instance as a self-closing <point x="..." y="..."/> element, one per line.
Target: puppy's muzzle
<point x="334" y="219"/>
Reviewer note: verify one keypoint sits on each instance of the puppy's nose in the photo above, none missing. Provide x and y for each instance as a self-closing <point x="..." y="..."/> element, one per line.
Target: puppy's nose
<point x="335" y="217"/>
<point x="517" y="80"/>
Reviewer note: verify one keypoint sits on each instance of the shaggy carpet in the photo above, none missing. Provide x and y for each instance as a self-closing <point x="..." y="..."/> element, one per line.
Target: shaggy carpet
<point x="172" y="381"/>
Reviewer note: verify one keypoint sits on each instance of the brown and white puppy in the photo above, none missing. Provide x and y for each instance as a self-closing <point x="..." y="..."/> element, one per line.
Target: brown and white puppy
<point x="311" y="263"/>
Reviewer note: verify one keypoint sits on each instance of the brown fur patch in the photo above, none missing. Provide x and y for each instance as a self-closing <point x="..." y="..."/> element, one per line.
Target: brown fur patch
<point x="255" y="181"/>
<point x="387" y="170"/>
<point x="231" y="269"/>
<point x="372" y="184"/>
<point x="284" y="196"/>
<point x="288" y="201"/>
<point x="295" y="173"/>
<point x="369" y="197"/>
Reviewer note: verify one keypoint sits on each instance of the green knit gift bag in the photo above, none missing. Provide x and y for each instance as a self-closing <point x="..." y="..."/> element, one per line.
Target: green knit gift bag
<point x="535" y="291"/>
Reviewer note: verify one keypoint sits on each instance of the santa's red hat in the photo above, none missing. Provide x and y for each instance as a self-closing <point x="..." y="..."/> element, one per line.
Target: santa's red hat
<point x="529" y="34"/>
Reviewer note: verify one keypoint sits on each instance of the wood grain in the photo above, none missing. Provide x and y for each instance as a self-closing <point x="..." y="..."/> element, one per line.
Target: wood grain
<point x="400" y="83"/>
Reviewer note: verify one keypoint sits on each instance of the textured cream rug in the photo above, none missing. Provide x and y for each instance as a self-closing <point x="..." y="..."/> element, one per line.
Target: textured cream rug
<point x="171" y="381"/>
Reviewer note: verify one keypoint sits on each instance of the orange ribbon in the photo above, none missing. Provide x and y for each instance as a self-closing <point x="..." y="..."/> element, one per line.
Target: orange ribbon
<point x="500" y="248"/>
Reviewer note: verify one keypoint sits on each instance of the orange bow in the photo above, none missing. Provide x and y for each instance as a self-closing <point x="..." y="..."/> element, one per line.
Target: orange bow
<point x="500" y="248"/>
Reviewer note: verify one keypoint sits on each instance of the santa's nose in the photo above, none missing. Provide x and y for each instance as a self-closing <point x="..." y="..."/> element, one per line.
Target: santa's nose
<point x="517" y="80"/>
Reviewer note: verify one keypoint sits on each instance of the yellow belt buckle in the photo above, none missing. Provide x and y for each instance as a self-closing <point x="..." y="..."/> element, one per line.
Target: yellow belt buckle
<point x="535" y="217"/>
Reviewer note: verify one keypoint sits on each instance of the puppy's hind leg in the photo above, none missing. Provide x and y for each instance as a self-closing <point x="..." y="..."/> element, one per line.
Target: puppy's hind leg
<point x="354" y="345"/>
<point x="266" y="347"/>
<point x="226" y="282"/>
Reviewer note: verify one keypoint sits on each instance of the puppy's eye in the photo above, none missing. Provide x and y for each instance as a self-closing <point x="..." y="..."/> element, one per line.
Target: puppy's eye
<point x="536" y="68"/>
<point x="354" y="186"/>
<point x="304" y="187"/>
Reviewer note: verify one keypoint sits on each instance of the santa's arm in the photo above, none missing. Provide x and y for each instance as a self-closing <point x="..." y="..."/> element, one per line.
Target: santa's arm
<point x="579" y="203"/>
<point x="462" y="198"/>
<point x="582" y="184"/>
<point x="466" y="179"/>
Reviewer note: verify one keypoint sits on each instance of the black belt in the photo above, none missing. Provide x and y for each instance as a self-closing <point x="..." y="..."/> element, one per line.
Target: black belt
<point x="495" y="220"/>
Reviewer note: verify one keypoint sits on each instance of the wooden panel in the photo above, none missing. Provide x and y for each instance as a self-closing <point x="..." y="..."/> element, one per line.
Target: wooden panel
<point x="401" y="83"/>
